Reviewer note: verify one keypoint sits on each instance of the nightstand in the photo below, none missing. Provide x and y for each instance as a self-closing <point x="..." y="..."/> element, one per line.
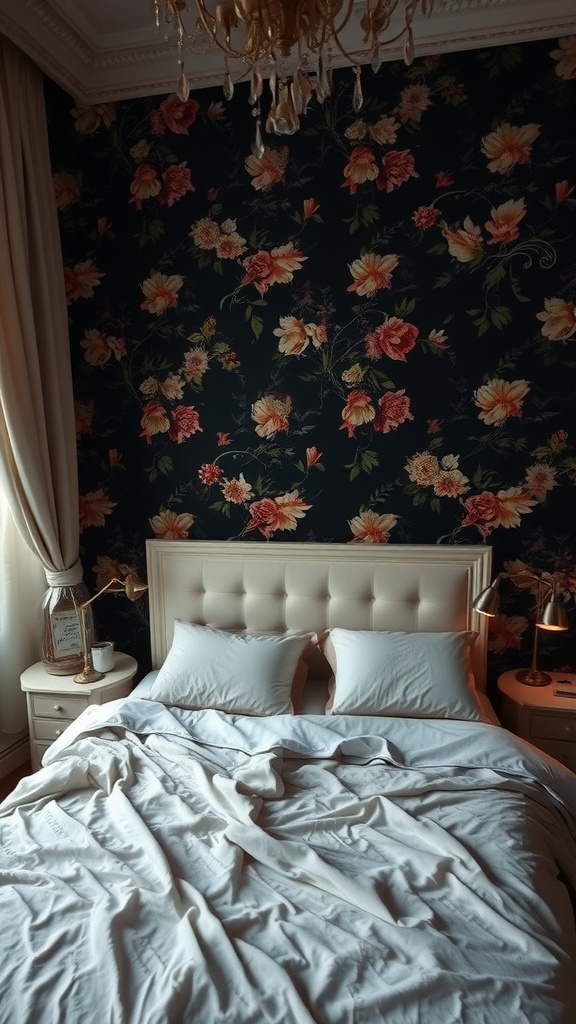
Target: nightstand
<point x="55" y="701"/>
<point x="536" y="714"/>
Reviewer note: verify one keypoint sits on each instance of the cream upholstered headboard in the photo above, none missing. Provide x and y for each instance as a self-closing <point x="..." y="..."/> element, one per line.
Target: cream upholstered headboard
<point x="292" y="586"/>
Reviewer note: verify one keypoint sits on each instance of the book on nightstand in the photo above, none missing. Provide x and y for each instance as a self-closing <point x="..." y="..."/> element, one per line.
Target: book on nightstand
<point x="565" y="688"/>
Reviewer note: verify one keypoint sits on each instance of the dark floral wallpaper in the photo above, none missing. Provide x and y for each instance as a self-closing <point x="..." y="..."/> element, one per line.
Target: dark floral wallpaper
<point x="366" y="335"/>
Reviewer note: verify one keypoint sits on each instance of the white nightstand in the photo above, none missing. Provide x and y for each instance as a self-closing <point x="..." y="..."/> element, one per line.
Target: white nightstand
<point x="536" y="714"/>
<point x="55" y="701"/>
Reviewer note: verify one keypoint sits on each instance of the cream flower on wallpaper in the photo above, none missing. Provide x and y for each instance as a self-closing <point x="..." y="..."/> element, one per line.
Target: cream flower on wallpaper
<point x="267" y="170"/>
<point x="423" y="469"/>
<point x="237" y="490"/>
<point x="384" y="131"/>
<point x="172" y="525"/>
<point x="540" y="478"/>
<point x="271" y="415"/>
<point x="81" y="280"/>
<point x="94" y="507"/>
<point x="414" y="100"/>
<point x="500" y="399"/>
<point x="161" y="291"/>
<point x="154" y="420"/>
<point x="370" y="528"/>
<point x="509" y="145"/>
<point x="559" y="319"/>
<point x="359" y="409"/>
<point x="293" y="336"/>
<point x="281" y="513"/>
<point x="66" y="189"/>
<point x="463" y="243"/>
<point x="361" y="167"/>
<point x="88" y="119"/>
<point x="230" y="246"/>
<point x="195" y="364"/>
<point x="205" y="233"/>
<point x="565" y="57"/>
<point x="372" y="273"/>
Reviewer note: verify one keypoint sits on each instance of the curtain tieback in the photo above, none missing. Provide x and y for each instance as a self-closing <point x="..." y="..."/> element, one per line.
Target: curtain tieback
<point x="66" y="578"/>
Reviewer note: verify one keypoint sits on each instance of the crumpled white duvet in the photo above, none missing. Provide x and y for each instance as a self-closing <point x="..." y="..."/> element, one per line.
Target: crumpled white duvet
<point x="167" y="867"/>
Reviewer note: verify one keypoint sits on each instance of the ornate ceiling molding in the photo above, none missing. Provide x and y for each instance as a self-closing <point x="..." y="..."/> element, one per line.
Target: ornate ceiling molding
<point x="116" y="54"/>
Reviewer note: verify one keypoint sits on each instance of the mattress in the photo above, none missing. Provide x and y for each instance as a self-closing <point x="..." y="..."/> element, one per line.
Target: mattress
<point x="168" y="865"/>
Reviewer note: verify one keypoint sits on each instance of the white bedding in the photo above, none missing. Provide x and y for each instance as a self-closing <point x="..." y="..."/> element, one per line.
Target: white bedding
<point x="174" y="866"/>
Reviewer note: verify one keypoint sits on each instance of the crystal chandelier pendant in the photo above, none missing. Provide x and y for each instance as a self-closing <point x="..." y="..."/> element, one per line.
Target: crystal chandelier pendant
<point x="183" y="85"/>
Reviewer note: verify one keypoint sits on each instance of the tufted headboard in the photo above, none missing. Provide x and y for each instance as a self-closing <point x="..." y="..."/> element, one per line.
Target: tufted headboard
<point x="284" y="586"/>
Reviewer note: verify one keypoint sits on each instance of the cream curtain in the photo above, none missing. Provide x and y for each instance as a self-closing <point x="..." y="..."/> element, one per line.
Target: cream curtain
<point x="38" y="469"/>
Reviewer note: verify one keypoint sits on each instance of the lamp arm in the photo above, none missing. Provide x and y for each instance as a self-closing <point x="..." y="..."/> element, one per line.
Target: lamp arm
<point x="102" y="591"/>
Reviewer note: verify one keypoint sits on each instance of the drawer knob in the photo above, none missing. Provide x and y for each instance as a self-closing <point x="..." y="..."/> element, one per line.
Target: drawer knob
<point x="58" y="732"/>
<point x="57" y="707"/>
<point x="569" y="728"/>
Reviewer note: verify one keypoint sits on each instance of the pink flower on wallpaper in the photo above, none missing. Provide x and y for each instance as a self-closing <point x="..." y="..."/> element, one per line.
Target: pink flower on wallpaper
<point x="271" y="415"/>
<point x="393" y="409"/>
<point x="87" y="120"/>
<point x="370" y="528"/>
<point x="504" y="223"/>
<point x="361" y="167"/>
<point x="174" y="115"/>
<point x="506" y="632"/>
<point x="488" y="511"/>
<point x="281" y="513"/>
<point x="185" y="422"/>
<point x="161" y="291"/>
<point x="223" y="439"/>
<point x="358" y="410"/>
<point x="94" y="507"/>
<point x="267" y="170"/>
<point x="172" y="525"/>
<point x="154" y="421"/>
<point x="275" y="267"/>
<point x="426" y="217"/>
<point x="81" y="280"/>
<point x="540" y="478"/>
<point x="103" y="226"/>
<point x="115" y="458"/>
<point x="509" y="145"/>
<point x="559" y="319"/>
<point x="145" y="185"/>
<point x="83" y="414"/>
<point x="563" y="190"/>
<point x="500" y="399"/>
<point x="394" y="338"/>
<point x="176" y="182"/>
<point x="309" y="208"/>
<point x="372" y="273"/>
<point x="66" y="189"/>
<point x="443" y="179"/>
<point x="107" y="569"/>
<point x="397" y="168"/>
<point x="312" y="456"/>
<point x="209" y="473"/>
<point x="414" y="100"/>
<point x="195" y="364"/>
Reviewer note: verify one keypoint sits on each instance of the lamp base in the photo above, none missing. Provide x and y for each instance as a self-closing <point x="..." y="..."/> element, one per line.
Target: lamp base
<point x="88" y="675"/>
<point x="533" y="677"/>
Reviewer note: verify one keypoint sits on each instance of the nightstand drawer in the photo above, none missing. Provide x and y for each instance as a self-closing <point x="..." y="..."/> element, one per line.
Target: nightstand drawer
<point x="47" y="729"/>
<point x="553" y="727"/>
<point x="58" y="706"/>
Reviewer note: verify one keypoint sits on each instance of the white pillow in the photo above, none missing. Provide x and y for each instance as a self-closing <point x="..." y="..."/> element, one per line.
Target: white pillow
<point x="417" y="675"/>
<point x="239" y="673"/>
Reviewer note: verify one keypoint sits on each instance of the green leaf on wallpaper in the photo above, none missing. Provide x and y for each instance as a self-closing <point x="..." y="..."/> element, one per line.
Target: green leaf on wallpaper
<point x="364" y="462"/>
<point x="220" y="506"/>
<point x="495" y="274"/>
<point x="443" y="280"/>
<point x="377" y="378"/>
<point x="405" y="307"/>
<point x="257" y="326"/>
<point x="501" y="316"/>
<point x="151" y="232"/>
<point x="437" y="250"/>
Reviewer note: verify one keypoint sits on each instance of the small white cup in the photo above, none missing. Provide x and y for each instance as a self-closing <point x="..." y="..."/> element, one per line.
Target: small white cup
<point x="103" y="656"/>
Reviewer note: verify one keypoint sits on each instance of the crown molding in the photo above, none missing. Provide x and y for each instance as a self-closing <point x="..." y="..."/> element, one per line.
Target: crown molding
<point x="112" y="51"/>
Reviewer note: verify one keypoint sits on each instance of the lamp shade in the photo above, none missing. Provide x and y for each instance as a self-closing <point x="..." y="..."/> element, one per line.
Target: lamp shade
<point x="553" y="615"/>
<point x="488" y="600"/>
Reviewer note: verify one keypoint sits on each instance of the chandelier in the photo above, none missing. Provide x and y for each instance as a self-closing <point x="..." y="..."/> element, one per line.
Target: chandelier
<point x="292" y="43"/>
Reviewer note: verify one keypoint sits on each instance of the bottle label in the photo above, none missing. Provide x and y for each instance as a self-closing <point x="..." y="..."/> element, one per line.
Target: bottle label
<point x="66" y="633"/>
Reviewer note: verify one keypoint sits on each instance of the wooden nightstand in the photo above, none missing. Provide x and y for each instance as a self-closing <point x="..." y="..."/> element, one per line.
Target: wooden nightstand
<point x="536" y="714"/>
<point x="55" y="701"/>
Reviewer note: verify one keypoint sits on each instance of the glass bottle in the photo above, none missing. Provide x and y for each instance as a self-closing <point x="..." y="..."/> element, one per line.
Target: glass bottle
<point x="62" y="642"/>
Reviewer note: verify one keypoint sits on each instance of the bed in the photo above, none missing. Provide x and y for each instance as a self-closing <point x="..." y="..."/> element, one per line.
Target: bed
<point x="218" y="848"/>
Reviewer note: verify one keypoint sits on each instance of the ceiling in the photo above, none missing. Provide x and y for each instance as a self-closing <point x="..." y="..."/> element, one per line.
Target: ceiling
<point x="105" y="50"/>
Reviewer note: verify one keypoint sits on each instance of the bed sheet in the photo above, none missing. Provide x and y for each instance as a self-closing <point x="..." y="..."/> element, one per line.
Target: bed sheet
<point x="169" y="866"/>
